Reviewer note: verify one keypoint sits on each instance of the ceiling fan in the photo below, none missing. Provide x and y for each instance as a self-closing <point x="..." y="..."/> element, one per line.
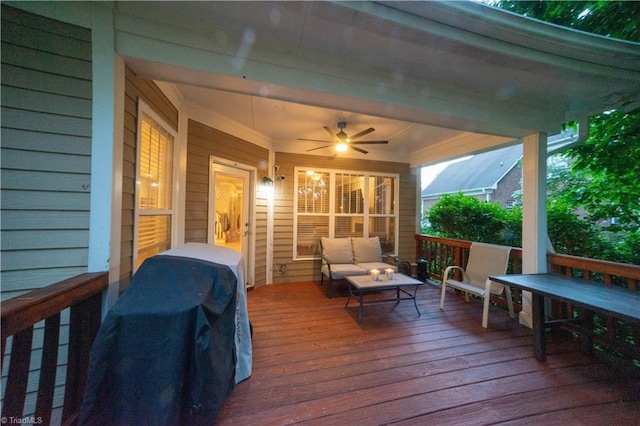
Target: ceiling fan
<point x="342" y="142"/>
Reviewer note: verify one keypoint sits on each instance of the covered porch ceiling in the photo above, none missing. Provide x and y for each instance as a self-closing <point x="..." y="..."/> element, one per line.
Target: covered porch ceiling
<point x="437" y="79"/>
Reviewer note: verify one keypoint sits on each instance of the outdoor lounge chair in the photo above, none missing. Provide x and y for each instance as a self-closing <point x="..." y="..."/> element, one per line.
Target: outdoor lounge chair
<point x="484" y="260"/>
<point x="342" y="257"/>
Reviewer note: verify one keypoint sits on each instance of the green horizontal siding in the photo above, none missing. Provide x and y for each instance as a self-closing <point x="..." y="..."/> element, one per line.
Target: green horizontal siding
<point x="46" y="149"/>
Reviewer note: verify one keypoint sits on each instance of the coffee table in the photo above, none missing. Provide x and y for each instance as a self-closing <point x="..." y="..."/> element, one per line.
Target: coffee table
<point x="362" y="284"/>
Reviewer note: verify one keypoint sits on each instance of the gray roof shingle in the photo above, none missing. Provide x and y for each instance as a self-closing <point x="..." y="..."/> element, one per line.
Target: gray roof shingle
<point x="480" y="171"/>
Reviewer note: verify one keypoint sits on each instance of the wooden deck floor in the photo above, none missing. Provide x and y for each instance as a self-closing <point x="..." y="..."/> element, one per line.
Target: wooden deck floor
<point x="314" y="364"/>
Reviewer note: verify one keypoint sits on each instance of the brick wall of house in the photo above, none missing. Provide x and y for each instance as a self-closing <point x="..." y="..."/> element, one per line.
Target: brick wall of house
<point x="508" y="185"/>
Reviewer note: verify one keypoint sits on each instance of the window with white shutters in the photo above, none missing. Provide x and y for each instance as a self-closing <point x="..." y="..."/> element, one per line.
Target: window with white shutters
<point x="154" y="186"/>
<point x="334" y="203"/>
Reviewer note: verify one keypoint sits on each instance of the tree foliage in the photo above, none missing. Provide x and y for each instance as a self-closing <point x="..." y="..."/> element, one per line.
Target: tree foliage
<point x="603" y="179"/>
<point x="604" y="174"/>
<point x="617" y="19"/>
<point x="571" y="234"/>
<point x="608" y="166"/>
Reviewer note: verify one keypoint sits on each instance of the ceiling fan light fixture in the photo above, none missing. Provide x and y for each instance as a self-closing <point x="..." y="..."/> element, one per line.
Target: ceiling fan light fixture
<point x="342" y="142"/>
<point x="342" y="147"/>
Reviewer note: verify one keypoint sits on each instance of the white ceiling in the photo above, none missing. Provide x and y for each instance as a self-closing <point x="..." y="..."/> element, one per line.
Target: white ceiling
<point x="437" y="79"/>
<point x="284" y="122"/>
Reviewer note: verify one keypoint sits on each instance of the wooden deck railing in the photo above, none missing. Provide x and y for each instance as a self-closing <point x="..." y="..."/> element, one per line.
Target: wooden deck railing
<point x="83" y="295"/>
<point x="613" y="335"/>
<point x="617" y="336"/>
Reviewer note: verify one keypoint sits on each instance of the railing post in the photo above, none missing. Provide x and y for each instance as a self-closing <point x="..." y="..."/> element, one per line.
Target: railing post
<point x="16" y="390"/>
<point x="83" y="328"/>
<point x="48" y="367"/>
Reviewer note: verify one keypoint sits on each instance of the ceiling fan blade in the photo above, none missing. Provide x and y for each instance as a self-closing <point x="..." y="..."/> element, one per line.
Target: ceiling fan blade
<point x="370" y="142"/>
<point x="313" y="140"/>
<point x="313" y="149"/>
<point x="358" y="149"/>
<point x="362" y="133"/>
<point x="332" y="133"/>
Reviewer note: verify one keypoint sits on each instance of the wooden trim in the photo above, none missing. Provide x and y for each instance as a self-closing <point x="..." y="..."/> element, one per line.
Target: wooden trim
<point x="83" y="295"/>
<point x="594" y="265"/>
<point x="22" y="312"/>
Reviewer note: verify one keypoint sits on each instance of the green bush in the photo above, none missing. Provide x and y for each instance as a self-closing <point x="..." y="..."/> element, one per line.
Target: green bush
<point x="467" y="218"/>
<point x="571" y="234"/>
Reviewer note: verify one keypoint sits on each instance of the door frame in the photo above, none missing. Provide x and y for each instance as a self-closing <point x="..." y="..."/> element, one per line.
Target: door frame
<point x="249" y="257"/>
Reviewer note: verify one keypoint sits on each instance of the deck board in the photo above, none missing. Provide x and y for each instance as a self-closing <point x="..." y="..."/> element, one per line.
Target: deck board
<point x="314" y="364"/>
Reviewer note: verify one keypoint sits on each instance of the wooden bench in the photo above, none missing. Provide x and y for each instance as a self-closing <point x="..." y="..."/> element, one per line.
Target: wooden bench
<point x="613" y="301"/>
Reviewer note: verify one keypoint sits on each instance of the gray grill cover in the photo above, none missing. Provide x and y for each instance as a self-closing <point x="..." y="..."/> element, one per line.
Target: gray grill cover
<point x="165" y="354"/>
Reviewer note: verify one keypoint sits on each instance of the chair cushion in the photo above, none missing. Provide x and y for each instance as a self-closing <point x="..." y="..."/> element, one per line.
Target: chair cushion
<point x="337" y="250"/>
<point x="381" y="266"/>
<point x="366" y="249"/>
<point x="341" y="270"/>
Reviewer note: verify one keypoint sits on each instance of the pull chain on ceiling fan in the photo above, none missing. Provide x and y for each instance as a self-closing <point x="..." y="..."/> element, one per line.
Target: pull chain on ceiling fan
<point x="342" y="142"/>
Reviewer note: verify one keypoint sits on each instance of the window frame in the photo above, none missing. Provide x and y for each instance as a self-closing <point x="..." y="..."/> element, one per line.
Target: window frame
<point x="145" y="109"/>
<point x="332" y="215"/>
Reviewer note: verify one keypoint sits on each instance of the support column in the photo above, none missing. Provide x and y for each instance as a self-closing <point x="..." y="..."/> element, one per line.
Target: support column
<point x="106" y="153"/>
<point x="181" y="190"/>
<point x="534" y="214"/>
<point x="270" y="198"/>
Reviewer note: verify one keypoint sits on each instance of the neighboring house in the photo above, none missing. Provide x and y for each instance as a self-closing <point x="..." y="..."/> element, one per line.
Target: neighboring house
<point x="490" y="176"/>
